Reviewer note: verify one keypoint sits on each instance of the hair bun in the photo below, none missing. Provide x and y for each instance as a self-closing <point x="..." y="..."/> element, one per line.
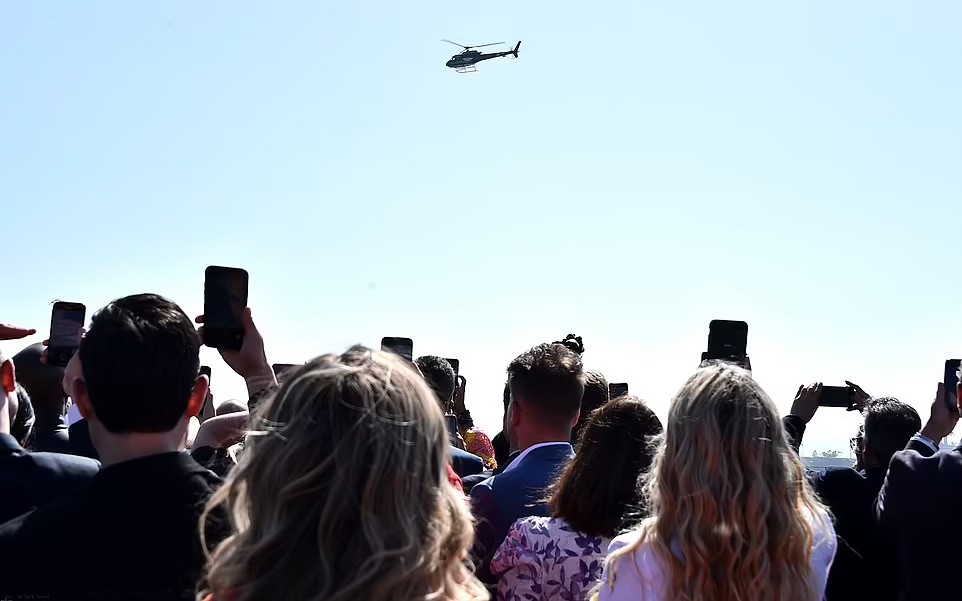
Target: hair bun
<point x="574" y="343"/>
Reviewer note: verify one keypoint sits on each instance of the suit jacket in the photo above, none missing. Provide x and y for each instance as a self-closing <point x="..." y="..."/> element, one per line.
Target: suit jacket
<point x="864" y="547"/>
<point x="131" y="534"/>
<point x="518" y="492"/>
<point x="920" y="501"/>
<point x="469" y="482"/>
<point x="52" y="437"/>
<point x="29" y="480"/>
<point x="464" y="463"/>
<point x="80" y="442"/>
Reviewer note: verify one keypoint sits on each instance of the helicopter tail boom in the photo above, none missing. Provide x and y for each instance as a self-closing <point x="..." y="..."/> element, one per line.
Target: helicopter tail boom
<point x="515" y="51"/>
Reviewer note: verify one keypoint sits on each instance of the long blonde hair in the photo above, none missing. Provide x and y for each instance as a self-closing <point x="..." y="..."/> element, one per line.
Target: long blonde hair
<point x="342" y="492"/>
<point x="733" y="512"/>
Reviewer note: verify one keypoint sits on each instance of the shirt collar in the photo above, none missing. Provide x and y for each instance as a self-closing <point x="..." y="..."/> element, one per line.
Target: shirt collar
<point x="517" y="460"/>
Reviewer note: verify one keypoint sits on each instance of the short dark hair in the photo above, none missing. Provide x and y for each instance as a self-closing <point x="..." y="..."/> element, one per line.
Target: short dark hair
<point x="548" y="379"/>
<point x="599" y="488"/>
<point x="889" y="424"/>
<point x="440" y="377"/>
<point x="140" y="361"/>
<point x="596" y="395"/>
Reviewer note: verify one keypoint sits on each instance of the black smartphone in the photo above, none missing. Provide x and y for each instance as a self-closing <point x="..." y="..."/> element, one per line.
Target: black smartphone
<point x="225" y="298"/>
<point x="451" y="421"/>
<point x="207" y="410"/>
<point x="951" y="383"/>
<point x="836" y="396"/>
<point x="399" y="346"/>
<point x="456" y="365"/>
<point x="616" y="391"/>
<point x="727" y="340"/>
<point x="66" y="322"/>
<point x="280" y="368"/>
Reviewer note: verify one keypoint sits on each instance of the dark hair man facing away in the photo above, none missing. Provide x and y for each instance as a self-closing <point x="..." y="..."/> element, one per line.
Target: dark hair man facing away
<point x="546" y="384"/>
<point x="29" y="480"/>
<point x="866" y="564"/>
<point x="441" y="379"/>
<point x="44" y="384"/>
<point x="133" y="533"/>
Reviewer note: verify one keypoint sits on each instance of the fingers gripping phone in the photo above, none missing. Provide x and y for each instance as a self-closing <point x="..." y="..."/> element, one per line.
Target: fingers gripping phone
<point x="951" y="381"/>
<point x="403" y="347"/>
<point x="225" y="298"/>
<point x="66" y="323"/>
<point x="616" y="391"/>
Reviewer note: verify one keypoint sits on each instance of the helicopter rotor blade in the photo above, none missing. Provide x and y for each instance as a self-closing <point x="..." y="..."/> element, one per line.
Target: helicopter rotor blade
<point x="456" y="44"/>
<point x="486" y="45"/>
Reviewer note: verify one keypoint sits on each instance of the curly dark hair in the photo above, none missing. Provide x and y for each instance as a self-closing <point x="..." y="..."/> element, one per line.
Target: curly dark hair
<point x="440" y="377"/>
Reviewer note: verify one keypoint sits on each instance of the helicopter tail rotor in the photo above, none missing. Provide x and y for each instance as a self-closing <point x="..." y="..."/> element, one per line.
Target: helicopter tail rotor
<point x="516" y="48"/>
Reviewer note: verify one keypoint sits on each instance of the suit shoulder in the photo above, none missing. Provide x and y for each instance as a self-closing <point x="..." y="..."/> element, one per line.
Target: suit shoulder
<point x="72" y="464"/>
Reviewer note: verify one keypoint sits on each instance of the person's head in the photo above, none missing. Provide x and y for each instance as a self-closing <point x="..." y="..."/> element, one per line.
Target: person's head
<point x="595" y="395"/>
<point x="600" y="485"/>
<point x="136" y="372"/>
<point x="342" y="491"/>
<point x="22" y="419"/>
<point x="889" y="424"/>
<point x="440" y="376"/>
<point x="44" y="383"/>
<point x="727" y="490"/>
<point x="231" y="406"/>
<point x="546" y="386"/>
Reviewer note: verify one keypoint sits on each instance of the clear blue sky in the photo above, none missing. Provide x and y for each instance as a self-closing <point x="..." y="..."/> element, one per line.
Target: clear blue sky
<point x="642" y="169"/>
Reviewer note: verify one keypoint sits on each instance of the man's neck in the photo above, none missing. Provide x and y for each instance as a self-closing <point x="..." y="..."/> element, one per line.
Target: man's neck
<point x="119" y="448"/>
<point x="525" y="443"/>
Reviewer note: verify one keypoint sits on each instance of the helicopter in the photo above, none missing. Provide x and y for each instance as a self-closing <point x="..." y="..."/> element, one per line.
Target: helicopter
<point x="465" y="61"/>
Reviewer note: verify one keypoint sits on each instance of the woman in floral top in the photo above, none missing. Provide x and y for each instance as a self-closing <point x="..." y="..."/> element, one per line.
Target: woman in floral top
<point x="562" y="557"/>
<point x="476" y="442"/>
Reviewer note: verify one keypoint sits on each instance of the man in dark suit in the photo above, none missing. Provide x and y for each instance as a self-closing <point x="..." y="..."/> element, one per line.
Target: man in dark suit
<point x="29" y="480"/>
<point x="442" y="380"/>
<point x="44" y="384"/>
<point x="546" y="388"/>
<point x="920" y="501"/>
<point x="866" y="564"/>
<point x="133" y="532"/>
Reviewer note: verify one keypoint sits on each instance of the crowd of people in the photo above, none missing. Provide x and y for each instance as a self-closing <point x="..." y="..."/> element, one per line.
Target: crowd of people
<point x="362" y="476"/>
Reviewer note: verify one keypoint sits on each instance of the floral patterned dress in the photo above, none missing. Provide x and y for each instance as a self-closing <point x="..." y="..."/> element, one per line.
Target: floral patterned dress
<point x="545" y="559"/>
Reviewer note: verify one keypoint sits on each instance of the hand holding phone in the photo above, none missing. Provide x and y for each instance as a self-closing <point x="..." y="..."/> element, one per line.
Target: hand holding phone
<point x="728" y="341"/>
<point x="66" y="328"/>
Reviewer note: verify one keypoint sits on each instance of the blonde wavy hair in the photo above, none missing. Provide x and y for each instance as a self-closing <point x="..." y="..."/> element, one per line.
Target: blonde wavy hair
<point x="730" y="495"/>
<point x="342" y="493"/>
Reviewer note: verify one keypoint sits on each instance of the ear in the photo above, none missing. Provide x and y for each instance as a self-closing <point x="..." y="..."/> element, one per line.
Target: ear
<point x="78" y="392"/>
<point x="8" y="377"/>
<point x="198" y="396"/>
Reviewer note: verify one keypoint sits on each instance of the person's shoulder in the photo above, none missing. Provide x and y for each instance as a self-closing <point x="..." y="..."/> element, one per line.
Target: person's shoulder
<point x="73" y="464"/>
<point x="628" y="539"/>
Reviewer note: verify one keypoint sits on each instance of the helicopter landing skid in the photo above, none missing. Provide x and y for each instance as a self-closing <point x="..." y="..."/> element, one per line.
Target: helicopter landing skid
<point x="467" y="69"/>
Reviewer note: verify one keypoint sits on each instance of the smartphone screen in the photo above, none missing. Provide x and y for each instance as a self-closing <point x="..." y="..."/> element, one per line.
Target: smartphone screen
<point x="66" y="323"/>
<point x="456" y="365"/>
<point x="225" y="298"/>
<point x="952" y="383"/>
<point x="399" y="346"/>
<point x="616" y="391"/>
<point x="836" y="396"/>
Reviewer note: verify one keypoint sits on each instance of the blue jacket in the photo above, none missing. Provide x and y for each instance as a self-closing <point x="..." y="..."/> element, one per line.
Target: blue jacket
<point x="518" y="492"/>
